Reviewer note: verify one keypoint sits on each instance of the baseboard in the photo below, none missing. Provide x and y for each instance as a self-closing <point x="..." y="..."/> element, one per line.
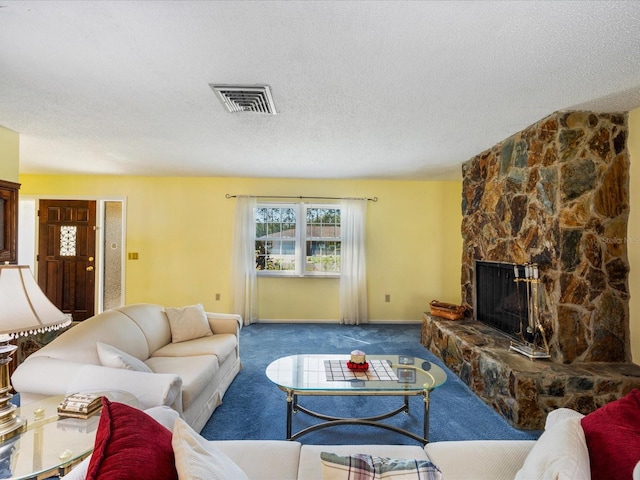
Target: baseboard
<point x="333" y="320"/>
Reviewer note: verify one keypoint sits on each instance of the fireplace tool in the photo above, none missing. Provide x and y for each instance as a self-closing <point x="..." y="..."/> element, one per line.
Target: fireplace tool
<point x="534" y="343"/>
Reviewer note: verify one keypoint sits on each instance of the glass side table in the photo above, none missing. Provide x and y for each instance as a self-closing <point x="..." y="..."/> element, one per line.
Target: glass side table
<point x="51" y="446"/>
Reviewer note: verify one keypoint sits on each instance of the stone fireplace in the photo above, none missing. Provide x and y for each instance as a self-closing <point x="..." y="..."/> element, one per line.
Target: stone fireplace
<point x="557" y="195"/>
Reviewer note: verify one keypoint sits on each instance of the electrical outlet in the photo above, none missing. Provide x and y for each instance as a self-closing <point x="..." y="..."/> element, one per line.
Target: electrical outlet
<point x="387" y="298"/>
<point x="133" y="255"/>
<point x="217" y="297"/>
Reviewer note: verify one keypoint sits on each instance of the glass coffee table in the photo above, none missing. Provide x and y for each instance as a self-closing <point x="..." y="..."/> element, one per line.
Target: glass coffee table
<point x="388" y="375"/>
<point x="51" y="445"/>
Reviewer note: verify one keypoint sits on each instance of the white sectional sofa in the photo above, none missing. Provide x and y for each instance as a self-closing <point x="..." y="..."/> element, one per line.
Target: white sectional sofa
<point x="561" y="453"/>
<point x="456" y="460"/>
<point x="185" y="358"/>
<point x="468" y="460"/>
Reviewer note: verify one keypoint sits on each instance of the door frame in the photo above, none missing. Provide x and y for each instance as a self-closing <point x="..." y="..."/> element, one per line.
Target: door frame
<point x="28" y="239"/>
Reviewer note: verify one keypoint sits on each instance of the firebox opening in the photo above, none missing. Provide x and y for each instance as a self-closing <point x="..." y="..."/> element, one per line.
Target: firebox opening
<point x="500" y="301"/>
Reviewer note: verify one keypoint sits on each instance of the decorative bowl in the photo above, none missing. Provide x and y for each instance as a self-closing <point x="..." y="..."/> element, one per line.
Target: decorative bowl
<point x="357" y="367"/>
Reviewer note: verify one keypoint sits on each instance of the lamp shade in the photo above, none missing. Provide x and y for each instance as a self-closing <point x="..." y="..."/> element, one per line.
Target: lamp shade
<point x="24" y="308"/>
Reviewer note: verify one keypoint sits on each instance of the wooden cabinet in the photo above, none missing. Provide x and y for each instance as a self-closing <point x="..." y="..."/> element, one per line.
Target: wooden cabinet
<point x="9" y="221"/>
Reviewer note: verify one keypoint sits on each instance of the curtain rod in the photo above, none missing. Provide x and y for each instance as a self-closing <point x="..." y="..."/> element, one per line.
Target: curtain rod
<point x="374" y="199"/>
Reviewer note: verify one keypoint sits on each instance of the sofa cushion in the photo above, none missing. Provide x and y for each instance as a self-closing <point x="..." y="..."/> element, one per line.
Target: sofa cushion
<point x="613" y="436"/>
<point x="264" y="459"/>
<point x="152" y="321"/>
<point x="197" y="373"/>
<point x="188" y="322"/>
<point x="560" y="454"/>
<point x="198" y="459"/>
<point x="489" y="459"/>
<point x="130" y="444"/>
<point x="221" y="345"/>
<point x="364" y="466"/>
<point x="113" y="357"/>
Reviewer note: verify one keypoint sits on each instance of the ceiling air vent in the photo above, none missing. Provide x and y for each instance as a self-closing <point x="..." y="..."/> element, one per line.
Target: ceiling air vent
<point x="256" y="99"/>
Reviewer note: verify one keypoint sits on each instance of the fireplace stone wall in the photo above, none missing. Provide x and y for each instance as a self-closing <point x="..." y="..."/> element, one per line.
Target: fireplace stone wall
<point x="555" y="194"/>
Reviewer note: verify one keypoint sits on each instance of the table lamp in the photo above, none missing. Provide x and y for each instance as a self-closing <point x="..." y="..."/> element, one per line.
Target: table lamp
<point x="24" y="310"/>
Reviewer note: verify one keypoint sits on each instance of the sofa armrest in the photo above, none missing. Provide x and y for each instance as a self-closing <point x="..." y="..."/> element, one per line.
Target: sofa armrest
<point x="479" y="459"/>
<point x="225" y="323"/>
<point x="51" y="376"/>
<point x="44" y="375"/>
<point x="151" y="389"/>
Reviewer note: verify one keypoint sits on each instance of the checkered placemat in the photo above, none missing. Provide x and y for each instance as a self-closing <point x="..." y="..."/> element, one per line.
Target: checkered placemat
<point x="337" y="370"/>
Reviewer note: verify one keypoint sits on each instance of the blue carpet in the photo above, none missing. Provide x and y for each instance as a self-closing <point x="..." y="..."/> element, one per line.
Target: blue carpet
<point x="254" y="408"/>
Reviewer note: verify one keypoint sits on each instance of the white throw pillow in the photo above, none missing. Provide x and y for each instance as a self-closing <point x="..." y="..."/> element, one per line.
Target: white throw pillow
<point x="364" y="466"/>
<point x="559" y="454"/>
<point x="558" y="415"/>
<point x="79" y="472"/>
<point x="187" y="323"/>
<point x="197" y="459"/>
<point x="113" y="357"/>
<point x="165" y="416"/>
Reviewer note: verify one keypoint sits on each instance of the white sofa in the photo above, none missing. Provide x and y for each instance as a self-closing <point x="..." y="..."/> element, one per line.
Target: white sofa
<point x="464" y="460"/>
<point x="457" y="460"/>
<point x="603" y="445"/>
<point x="556" y="455"/>
<point x="190" y="375"/>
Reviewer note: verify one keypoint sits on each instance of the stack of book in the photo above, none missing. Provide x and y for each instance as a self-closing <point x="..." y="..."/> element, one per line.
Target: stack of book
<point x="80" y="405"/>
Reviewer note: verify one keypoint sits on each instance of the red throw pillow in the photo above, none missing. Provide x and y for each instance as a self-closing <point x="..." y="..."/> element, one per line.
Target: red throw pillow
<point x="130" y="444"/>
<point x="613" y="438"/>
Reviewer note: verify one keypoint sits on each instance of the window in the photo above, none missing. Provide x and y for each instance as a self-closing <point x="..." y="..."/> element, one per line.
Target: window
<point x="297" y="239"/>
<point x="68" y="240"/>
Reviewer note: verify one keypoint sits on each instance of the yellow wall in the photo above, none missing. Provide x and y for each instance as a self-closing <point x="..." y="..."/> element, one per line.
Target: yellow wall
<point x="633" y="233"/>
<point x="9" y="154"/>
<point x="182" y="230"/>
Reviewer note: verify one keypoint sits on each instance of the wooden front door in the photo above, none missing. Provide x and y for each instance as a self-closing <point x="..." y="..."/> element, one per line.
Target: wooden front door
<point x="66" y="255"/>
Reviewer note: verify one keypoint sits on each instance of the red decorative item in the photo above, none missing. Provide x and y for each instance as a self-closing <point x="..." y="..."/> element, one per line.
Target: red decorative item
<point x="358" y="367"/>
<point x="131" y="444"/>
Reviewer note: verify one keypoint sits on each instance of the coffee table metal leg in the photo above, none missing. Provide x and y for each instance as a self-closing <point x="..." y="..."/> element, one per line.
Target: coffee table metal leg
<point x="290" y="401"/>
<point x="329" y="420"/>
<point x="426" y="416"/>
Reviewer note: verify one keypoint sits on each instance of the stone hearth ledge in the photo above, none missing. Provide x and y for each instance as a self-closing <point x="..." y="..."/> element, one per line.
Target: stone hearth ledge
<point x="522" y="390"/>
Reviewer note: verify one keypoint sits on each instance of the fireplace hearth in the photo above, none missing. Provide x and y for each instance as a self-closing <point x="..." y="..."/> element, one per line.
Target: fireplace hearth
<point x="523" y="391"/>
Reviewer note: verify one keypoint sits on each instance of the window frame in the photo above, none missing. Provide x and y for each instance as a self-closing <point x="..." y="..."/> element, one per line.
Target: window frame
<point x="300" y="239"/>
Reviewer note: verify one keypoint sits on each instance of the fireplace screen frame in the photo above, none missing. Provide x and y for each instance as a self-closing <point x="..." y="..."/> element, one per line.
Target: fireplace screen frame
<point x="509" y="314"/>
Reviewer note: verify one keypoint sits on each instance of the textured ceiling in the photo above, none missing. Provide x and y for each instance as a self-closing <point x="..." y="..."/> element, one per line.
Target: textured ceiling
<point x="405" y="90"/>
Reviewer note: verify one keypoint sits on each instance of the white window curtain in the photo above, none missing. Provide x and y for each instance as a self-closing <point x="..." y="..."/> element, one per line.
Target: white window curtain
<point x="353" y="272"/>
<point x="244" y="286"/>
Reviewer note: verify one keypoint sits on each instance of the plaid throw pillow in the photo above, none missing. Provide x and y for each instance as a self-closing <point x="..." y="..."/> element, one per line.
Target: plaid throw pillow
<point x="368" y="467"/>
